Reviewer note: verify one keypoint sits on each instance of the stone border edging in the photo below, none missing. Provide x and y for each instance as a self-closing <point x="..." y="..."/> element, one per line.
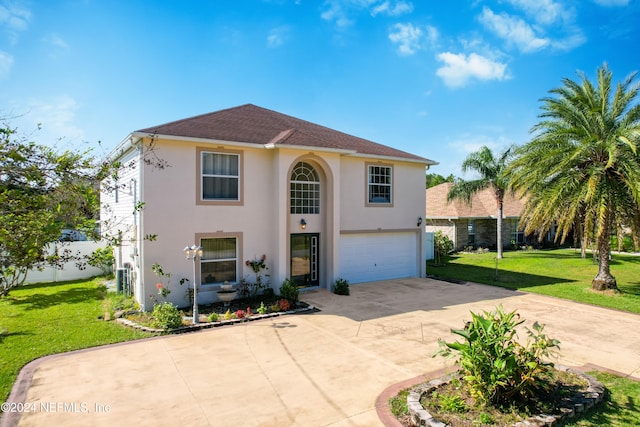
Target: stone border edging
<point x="207" y="325"/>
<point x="577" y="404"/>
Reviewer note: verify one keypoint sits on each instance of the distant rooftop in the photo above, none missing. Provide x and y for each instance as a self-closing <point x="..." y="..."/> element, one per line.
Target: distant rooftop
<point x="483" y="204"/>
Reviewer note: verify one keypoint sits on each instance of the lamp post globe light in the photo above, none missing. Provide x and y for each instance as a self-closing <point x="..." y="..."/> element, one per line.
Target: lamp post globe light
<point x="192" y="252"/>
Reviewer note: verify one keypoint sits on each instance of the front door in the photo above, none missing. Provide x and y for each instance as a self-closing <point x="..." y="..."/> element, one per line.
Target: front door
<point x="305" y="267"/>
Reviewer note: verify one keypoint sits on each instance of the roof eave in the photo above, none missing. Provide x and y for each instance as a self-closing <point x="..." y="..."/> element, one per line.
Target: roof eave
<point x="425" y="162"/>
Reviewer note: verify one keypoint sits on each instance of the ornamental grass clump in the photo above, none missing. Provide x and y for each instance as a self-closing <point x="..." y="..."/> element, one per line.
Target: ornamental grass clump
<point x="495" y="367"/>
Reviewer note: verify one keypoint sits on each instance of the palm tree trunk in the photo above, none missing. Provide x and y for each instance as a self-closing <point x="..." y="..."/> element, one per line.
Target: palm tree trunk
<point x="499" y="236"/>
<point x="604" y="280"/>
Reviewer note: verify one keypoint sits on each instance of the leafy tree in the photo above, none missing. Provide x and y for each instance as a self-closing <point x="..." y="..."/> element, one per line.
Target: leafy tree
<point x="433" y="179"/>
<point x="582" y="166"/>
<point x="492" y="175"/>
<point x="41" y="192"/>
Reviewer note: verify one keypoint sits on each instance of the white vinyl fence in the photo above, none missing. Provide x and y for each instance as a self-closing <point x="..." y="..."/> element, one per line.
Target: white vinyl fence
<point x="70" y="270"/>
<point x="428" y="245"/>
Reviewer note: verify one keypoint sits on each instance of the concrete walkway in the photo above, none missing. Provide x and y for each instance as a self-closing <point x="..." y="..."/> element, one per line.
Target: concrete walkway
<point x="321" y="369"/>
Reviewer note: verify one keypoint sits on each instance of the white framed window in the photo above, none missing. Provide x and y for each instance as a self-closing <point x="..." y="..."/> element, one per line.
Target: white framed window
<point x="471" y="232"/>
<point x="220" y="176"/>
<point x="219" y="262"/>
<point x="518" y="235"/>
<point x="305" y="189"/>
<point x="379" y="184"/>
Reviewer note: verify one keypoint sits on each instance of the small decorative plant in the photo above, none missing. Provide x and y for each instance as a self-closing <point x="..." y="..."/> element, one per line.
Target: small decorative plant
<point x="289" y="291"/>
<point x="166" y="316"/>
<point x="228" y="315"/>
<point x="240" y="314"/>
<point x="341" y="287"/>
<point x="261" y="281"/>
<point x="283" y="305"/>
<point x="214" y="317"/>
<point x="262" y="309"/>
<point x="496" y="368"/>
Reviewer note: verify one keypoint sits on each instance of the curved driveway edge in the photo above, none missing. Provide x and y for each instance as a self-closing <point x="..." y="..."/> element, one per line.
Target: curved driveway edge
<point x="325" y="368"/>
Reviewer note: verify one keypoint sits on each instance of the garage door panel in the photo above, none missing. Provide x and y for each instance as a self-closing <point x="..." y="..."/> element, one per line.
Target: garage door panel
<point x="377" y="256"/>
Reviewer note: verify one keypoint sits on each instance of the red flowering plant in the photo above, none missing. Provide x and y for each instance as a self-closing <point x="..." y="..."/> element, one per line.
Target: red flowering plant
<point x="261" y="282"/>
<point x="284" y="305"/>
<point x="240" y="314"/>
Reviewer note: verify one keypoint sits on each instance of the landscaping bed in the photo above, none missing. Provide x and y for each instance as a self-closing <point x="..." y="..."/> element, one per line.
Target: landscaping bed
<point x="220" y="314"/>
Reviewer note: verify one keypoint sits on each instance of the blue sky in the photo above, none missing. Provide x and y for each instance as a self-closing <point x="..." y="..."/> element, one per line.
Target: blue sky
<point x="435" y="78"/>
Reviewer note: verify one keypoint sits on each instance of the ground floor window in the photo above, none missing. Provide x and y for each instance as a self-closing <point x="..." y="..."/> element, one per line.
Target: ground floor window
<point x="219" y="262"/>
<point x="471" y="232"/>
<point x="518" y="235"/>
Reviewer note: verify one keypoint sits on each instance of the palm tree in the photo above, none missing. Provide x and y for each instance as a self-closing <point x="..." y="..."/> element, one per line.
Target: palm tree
<point x="491" y="170"/>
<point x="582" y="165"/>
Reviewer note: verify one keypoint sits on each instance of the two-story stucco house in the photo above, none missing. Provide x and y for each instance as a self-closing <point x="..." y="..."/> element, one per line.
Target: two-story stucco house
<point x="248" y="181"/>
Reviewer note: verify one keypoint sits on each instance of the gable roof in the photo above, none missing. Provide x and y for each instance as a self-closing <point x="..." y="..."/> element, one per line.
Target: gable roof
<point x="483" y="204"/>
<point x="252" y="124"/>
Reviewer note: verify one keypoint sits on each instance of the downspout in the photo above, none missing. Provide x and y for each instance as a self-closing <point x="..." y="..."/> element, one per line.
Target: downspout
<point x="138" y="226"/>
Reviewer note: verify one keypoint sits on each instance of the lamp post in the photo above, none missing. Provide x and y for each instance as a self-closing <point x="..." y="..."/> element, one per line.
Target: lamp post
<point x="192" y="252"/>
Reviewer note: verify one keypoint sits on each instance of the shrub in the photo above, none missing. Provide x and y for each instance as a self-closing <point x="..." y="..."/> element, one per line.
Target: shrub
<point x="166" y="316"/>
<point x="103" y="259"/>
<point x="341" y="287"/>
<point x="240" y="314"/>
<point x="494" y="366"/>
<point x="214" y="317"/>
<point x="442" y="245"/>
<point x="289" y="291"/>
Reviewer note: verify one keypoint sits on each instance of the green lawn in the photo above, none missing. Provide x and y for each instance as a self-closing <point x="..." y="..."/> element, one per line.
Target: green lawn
<point x="560" y="273"/>
<point x="42" y="319"/>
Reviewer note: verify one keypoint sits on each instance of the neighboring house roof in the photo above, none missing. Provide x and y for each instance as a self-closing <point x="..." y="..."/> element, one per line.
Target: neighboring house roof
<point x="252" y="124"/>
<point x="483" y="204"/>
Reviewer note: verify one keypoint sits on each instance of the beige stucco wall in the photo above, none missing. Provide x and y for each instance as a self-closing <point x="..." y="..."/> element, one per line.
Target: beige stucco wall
<point x="262" y="221"/>
<point x="409" y="197"/>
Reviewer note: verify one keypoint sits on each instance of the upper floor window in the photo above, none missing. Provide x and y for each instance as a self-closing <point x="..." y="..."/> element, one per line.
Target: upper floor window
<point x="379" y="184"/>
<point x="305" y="189"/>
<point x="220" y="175"/>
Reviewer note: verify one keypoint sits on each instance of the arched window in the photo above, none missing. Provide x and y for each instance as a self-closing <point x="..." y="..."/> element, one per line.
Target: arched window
<point x="305" y="189"/>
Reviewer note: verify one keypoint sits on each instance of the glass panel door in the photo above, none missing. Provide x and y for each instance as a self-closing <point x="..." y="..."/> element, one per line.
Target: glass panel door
<point x="305" y="265"/>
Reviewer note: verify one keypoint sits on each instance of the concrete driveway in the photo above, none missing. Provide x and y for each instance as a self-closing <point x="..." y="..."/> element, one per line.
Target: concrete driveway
<point x="320" y="369"/>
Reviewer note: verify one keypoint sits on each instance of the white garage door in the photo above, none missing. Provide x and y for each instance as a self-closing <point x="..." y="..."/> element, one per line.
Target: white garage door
<point x="377" y="256"/>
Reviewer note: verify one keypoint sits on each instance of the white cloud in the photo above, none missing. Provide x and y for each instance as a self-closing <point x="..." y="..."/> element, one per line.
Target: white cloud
<point x="407" y="37"/>
<point x="6" y="62"/>
<point x="612" y="2"/>
<point x="277" y="36"/>
<point x="56" y="41"/>
<point x="514" y="30"/>
<point x="433" y="36"/>
<point x="58" y="119"/>
<point x="545" y="12"/>
<point x="339" y="11"/>
<point x="14" y="17"/>
<point x="397" y="9"/>
<point x="459" y="69"/>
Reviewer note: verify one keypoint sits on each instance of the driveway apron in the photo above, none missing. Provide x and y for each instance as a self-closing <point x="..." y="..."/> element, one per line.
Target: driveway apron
<point x="320" y="369"/>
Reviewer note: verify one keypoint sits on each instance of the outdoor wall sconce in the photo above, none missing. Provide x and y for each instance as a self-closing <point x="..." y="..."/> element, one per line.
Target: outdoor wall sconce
<point x="419" y="221"/>
<point x="303" y="224"/>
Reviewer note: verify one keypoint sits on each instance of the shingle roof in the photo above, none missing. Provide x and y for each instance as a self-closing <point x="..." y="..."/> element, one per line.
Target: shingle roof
<point x="483" y="204"/>
<point x="252" y="124"/>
